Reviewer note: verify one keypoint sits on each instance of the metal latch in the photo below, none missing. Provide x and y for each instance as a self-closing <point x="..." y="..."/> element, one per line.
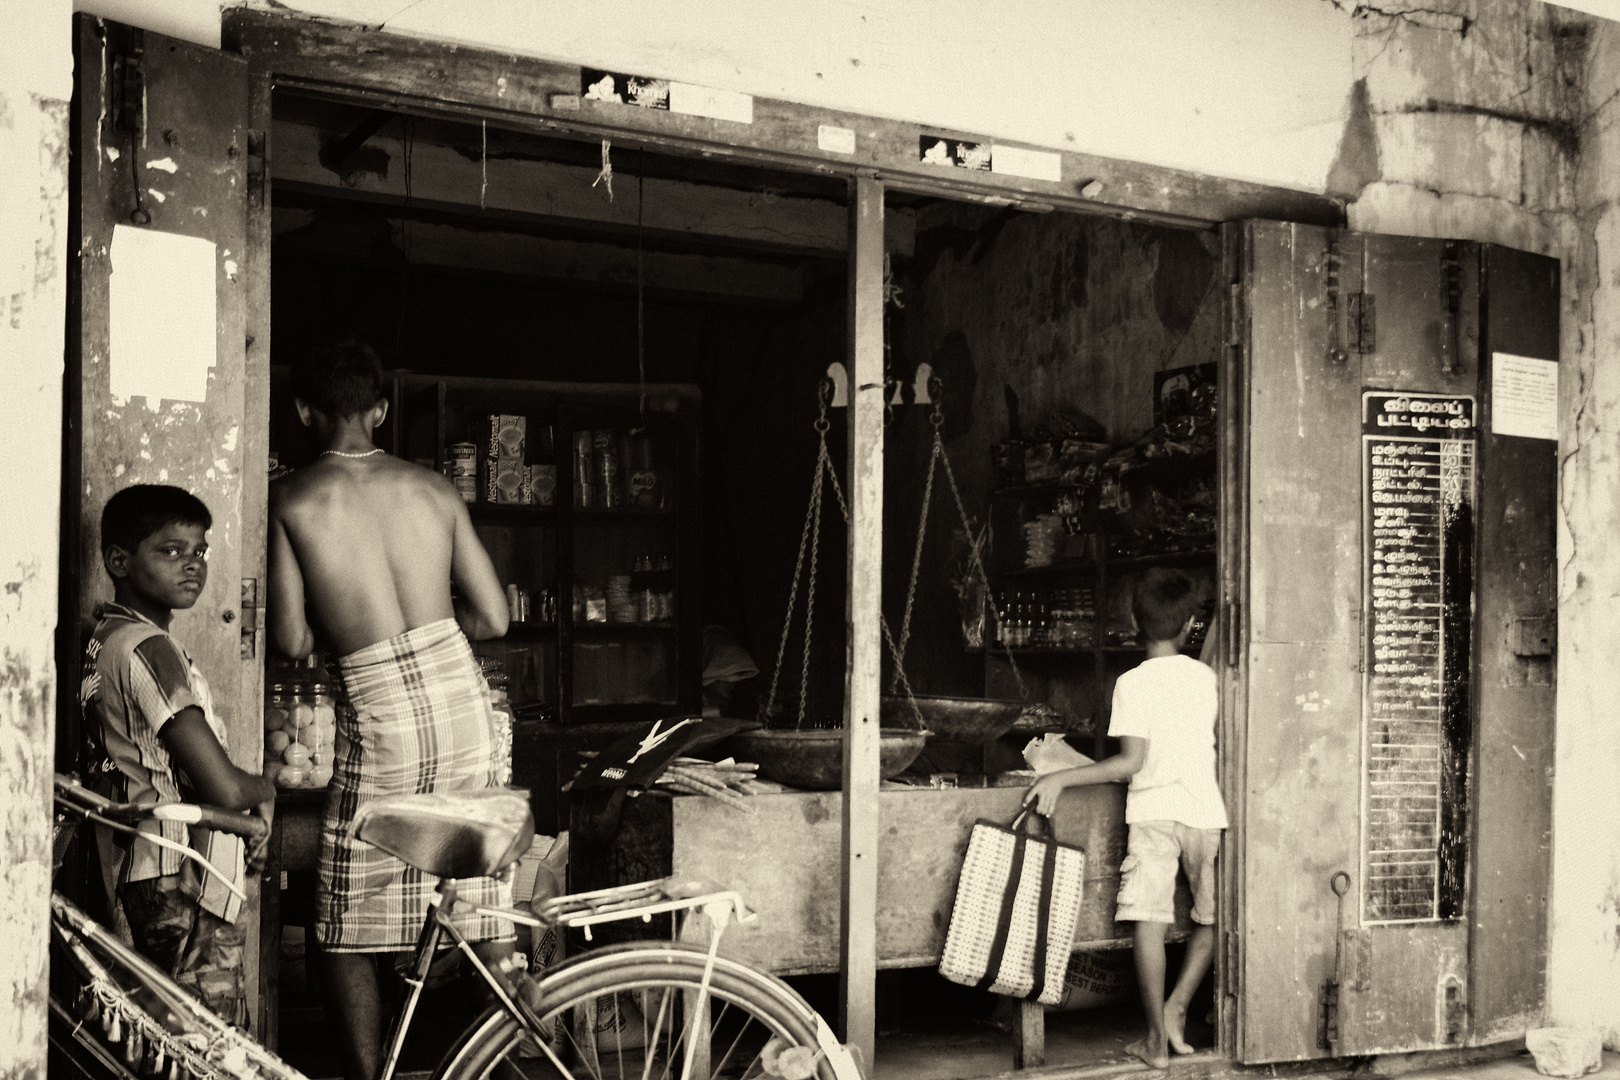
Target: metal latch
<point x="1533" y="635"/>
<point x="1327" y="1021"/>
<point x="1363" y="323"/>
<point x="129" y="85"/>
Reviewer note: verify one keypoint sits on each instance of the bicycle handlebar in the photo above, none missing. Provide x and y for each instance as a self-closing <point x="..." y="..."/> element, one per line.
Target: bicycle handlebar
<point x="250" y="827"/>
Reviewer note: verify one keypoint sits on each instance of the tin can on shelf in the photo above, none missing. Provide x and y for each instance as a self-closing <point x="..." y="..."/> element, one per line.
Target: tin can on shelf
<point x="609" y="469"/>
<point x="464" y="469"/>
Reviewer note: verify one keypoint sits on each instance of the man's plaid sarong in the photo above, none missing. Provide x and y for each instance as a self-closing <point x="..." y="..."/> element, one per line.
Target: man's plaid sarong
<point x="419" y="720"/>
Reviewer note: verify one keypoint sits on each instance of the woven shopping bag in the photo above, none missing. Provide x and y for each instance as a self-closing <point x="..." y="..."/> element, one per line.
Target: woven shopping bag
<point x="1017" y="902"/>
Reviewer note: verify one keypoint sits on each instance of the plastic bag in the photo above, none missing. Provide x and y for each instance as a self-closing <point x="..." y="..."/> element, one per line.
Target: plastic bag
<point x="1051" y="752"/>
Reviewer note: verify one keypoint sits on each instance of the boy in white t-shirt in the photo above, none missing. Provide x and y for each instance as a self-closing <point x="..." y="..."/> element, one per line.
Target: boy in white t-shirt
<point x="1164" y="716"/>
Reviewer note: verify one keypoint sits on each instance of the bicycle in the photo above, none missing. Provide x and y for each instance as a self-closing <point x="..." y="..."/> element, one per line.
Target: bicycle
<point x="644" y="1009"/>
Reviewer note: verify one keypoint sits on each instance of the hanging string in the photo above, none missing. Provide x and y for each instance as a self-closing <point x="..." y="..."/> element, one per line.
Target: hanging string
<point x="483" y="163"/>
<point x="605" y="177"/>
<point x="641" y="306"/>
<point x="408" y="150"/>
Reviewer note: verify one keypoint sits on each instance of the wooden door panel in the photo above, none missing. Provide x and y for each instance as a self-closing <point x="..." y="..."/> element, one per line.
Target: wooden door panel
<point x="1298" y="828"/>
<point x="1515" y="679"/>
<point x="168" y="120"/>
<point x="1303" y="512"/>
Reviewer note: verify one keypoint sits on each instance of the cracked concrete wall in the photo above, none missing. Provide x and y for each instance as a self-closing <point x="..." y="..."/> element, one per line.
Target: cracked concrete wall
<point x="1491" y="120"/>
<point x="1584" y="962"/>
<point x="36" y="71"/>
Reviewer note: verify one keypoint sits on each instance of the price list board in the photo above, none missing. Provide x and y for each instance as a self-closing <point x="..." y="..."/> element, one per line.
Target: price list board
<point x="1418" y="453"/>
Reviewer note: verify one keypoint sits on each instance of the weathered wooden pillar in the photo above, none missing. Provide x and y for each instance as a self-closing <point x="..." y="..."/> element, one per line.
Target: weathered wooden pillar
<point x="858" y="945"/>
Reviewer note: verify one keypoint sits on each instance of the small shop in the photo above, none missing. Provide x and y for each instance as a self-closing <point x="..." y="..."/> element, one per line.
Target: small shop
<point x="863" y="434"/>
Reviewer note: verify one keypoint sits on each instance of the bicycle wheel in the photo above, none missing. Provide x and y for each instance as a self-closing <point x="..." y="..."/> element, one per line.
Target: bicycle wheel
<point x="624" y="1013"/>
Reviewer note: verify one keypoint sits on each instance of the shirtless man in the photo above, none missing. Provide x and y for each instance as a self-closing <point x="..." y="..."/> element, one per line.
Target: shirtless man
<point x="365" y="547"/>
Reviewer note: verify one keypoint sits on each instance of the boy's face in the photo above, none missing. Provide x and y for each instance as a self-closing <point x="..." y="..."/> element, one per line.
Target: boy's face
<point x="167" y="569"/>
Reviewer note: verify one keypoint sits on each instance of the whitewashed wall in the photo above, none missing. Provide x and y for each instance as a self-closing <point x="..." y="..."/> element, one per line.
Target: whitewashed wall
<point x="1465" y="126"/>
<point x="36" y="67"/>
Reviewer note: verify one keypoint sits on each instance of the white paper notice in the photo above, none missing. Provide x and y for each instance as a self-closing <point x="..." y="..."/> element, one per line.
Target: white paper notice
<point x="1524" y="397"/>
<point x="161" y="326"/>
<point x="1035" y="164"/>
<point x="835" y="140"/>
<point x="707" y="101"/>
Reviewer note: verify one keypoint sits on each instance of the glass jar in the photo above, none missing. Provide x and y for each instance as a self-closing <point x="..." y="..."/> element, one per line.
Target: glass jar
<point x="278" y="702"/>
<point x="287" y="710"/>
<point x="321" y="734"/>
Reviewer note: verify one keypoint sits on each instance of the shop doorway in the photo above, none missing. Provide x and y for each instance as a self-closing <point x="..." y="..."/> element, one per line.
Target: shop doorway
<point x="1297" y="343"/>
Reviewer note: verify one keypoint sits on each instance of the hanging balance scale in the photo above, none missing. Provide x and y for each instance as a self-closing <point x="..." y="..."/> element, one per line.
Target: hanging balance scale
<point x="813" y="757"/>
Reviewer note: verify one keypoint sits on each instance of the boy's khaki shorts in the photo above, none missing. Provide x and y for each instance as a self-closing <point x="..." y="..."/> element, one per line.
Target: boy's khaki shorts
<point x="1147" y="886"/>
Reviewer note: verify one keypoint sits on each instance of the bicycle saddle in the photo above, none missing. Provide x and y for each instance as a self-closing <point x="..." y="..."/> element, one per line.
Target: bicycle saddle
<point x="450" y="834"/>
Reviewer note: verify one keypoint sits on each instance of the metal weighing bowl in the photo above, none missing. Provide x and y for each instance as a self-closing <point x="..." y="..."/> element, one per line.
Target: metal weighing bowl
<point x="954" y="719"/>
<point x="815" y="759"/>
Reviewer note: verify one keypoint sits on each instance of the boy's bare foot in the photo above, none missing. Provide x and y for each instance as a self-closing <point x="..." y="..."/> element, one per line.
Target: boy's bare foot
<point x="1175" y="1028"/>
<point x="1154" y="1060"/>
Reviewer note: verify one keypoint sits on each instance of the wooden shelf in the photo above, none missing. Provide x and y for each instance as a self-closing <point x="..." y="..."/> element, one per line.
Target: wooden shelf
<point x="511" y="514"/>
<point x="616" y="629"/>
<point x="1090" y="567"/>
<point x="524" y="514"/>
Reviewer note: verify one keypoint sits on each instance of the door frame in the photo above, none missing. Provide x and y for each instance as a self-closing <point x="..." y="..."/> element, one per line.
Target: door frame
<point x="411" y="75"/>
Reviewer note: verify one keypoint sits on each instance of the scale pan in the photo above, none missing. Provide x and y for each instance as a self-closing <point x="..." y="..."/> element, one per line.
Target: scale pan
<point x="954" y="719"/>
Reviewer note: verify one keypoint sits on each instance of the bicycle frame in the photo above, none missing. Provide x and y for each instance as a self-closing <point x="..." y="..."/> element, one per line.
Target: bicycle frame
<point x="214" y="1048"/>
<point x="583" y="910"/>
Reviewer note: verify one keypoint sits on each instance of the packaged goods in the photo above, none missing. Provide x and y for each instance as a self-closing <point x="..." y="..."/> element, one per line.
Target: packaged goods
<point x="585" y="497"/>
<point x="609" y="469"/>
<point x="504" y="450"/>
<point x="542" y="485"/>
<point x="646" y="483"/>
<point x="463" y="462"/>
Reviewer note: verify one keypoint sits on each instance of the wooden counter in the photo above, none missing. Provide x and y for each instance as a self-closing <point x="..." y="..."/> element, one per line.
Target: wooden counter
<point x="784" y="860"/>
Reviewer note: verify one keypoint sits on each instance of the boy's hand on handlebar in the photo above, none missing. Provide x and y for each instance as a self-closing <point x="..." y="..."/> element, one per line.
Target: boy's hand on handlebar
<point x="260" y="851"/>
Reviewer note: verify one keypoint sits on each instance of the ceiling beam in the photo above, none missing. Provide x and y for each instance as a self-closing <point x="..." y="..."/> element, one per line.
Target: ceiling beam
<point x="506" y="186"/>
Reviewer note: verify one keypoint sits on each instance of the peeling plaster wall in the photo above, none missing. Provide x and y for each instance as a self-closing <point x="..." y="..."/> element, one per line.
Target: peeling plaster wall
<point x="1585" y="950"/>
<point x="1495" y="124"/>
<point x="35" y="81"/>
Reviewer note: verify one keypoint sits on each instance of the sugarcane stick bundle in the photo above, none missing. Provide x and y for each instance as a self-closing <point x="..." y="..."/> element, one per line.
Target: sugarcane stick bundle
<point x="692" y="782"/>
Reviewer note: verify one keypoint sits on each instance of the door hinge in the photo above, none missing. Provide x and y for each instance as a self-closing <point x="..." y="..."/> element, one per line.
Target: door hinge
<point x="1451" y="278"/>
<point x="258" y="168"/>
<point x="1327" y="1017"/>
<point x="1234" y="626"/>
<point x="1363" y="323"/>
<point x="1233" y="966"/>
<point x="129" y="85"/>
<point x="1234" y="314"/>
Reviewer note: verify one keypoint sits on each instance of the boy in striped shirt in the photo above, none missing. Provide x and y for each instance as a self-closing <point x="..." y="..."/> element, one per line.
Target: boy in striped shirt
<point x="150" y="707"/>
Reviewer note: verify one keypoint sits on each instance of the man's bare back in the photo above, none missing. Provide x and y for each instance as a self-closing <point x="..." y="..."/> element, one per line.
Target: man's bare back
<point x="373" y="543"/>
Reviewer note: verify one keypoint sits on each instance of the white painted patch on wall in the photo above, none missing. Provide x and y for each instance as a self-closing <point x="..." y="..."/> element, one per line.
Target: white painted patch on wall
<point x="1033" y="164"/>
<point x="161" y="317"/>
<point x="163" y="474"/>
<point x="711" y="102"/>
<point x="118" y="470"/>
<point x="230" y="269"/>
<point x="164" y="165"/>
<point x="158" y="195"/>
<point x="112" y="153"/>
<point x="230" y="440"/>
